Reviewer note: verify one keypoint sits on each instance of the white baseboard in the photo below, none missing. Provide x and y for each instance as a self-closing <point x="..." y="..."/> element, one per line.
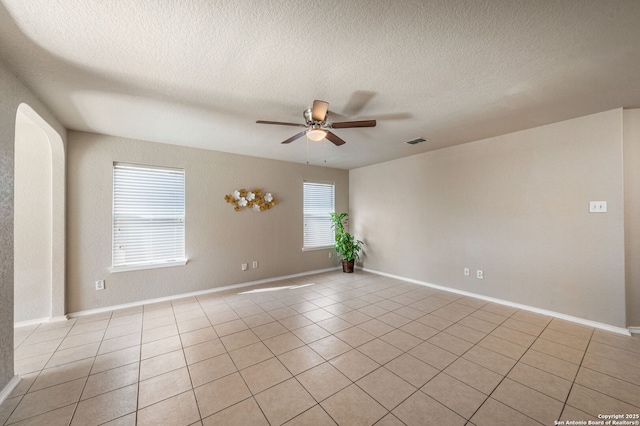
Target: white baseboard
<point x="31" y="322"/>
<point x="40" y="321"/>
<point x="559" y="315"/>
<point x="196" y="293"/>
<point x="634" y="330"/>
<point x="60" y="318"/>
<point x="4" y="394"/>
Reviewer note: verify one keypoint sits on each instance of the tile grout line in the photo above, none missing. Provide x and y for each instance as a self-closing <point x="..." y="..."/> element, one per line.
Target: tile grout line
<point x="519" y="359"/>
<point x="121" y="387"/>
<point x="595" y="390"/>
<point x="103" y="339"/>
<point x="468" y="420"/>
<point x="184" y="357"/>
<point x="417" y="389"/>
<point x="504" y="376"/>
<point x="77" y="404"/>
<point x="573" y="382"/>
<point x="328" y="361"/>
<point x="386" y="292"/>
<point x="295" y="376"/>
<point x="40" y="372"/>
<point x="44" y="368"/>
<point x="242" y="377"/>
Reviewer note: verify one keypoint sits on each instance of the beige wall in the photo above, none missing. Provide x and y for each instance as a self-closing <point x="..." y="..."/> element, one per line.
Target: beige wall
<point x="218" y="239"/>
<point x="32" y="222"/>
<point x="13" y="94"/>
<point x="514" y="206"/>
<point x="632" y="213"/>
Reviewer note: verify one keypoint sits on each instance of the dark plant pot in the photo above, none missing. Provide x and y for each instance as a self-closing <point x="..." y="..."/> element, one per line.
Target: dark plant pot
<point x="347" y="266"/>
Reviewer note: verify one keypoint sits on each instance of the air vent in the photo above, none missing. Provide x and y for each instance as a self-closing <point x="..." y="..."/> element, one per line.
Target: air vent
<point x="417" y="141"/>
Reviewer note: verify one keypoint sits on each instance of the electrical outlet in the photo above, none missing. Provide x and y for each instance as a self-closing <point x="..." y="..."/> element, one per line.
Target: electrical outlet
<point x="480" y="274"/>
<point x="466" y="272"/>
<point x="255" y="264"/>
<point x="100" y="285"/>
<point x="244" y="266"/>
<point x="330" y="255"/>
<point x="597" y="206"/>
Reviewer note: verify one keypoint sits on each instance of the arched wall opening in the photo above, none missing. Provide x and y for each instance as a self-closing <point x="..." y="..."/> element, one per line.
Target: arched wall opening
<point x="39" y="220"/>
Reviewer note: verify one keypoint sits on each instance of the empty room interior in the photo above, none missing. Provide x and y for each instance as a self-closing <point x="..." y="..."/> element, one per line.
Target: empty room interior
<point x="168" y="173"/>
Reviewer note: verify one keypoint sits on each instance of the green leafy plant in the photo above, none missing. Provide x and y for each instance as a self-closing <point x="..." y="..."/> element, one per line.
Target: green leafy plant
<point x="346" y="244"/>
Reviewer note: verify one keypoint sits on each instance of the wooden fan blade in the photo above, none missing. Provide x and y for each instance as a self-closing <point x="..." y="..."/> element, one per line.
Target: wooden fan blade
<point x="335" y="139"/>
<point x="319" y="110"/>
<point x="293" y="138"/>
<point x="347" y="124"/>
<point x="280" y="123"/>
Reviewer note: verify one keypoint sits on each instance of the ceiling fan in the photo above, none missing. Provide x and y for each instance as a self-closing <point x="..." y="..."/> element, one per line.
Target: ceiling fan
<point x="317" y="126"/>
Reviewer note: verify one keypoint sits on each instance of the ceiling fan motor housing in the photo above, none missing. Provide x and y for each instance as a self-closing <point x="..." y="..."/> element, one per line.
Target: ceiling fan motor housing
<point x="308" y="118"/>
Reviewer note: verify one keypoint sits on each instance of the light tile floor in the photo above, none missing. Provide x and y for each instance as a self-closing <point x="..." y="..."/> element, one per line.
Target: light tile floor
<point x="351" y="349"/>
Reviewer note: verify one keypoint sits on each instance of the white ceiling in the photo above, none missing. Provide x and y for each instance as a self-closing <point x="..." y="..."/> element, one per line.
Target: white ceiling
<point x="200" y="72"/>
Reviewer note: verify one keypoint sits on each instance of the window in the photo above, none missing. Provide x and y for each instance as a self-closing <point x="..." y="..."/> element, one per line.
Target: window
<point x="148" y="217"/>
<point x="319" y="201"/>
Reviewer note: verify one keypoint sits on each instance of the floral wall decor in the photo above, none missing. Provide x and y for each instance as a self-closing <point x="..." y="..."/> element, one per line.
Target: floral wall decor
<point x="254" y="200"/>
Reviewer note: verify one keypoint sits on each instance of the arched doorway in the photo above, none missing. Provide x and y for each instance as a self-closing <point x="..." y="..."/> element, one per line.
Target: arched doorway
<point x="39" y="227"/>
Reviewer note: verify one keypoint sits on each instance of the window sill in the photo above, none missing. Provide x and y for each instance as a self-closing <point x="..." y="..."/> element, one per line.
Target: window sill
<point x="317" y="248"/>
<point x="142" y="266"/>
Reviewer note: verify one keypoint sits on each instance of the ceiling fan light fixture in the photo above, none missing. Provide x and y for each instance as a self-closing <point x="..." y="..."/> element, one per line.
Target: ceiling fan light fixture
<point x="316" y="135"/>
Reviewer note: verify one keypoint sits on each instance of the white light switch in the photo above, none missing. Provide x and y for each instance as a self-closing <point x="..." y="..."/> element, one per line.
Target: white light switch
<point x="597" y="206"/>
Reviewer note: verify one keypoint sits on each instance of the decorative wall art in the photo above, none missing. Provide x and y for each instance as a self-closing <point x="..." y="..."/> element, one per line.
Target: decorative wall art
<point x="254" y="200"/>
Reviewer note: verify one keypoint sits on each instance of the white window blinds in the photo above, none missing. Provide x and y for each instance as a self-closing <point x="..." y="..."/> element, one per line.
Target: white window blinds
<point x="148" y="216"/>
<point x="319" y="201"/>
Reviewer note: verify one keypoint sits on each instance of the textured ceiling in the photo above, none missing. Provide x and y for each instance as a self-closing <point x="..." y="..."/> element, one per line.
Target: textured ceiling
<point x="200" y="72"/>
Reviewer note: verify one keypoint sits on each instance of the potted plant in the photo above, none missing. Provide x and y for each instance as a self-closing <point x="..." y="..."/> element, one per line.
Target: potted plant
<point x="346" y="245"/>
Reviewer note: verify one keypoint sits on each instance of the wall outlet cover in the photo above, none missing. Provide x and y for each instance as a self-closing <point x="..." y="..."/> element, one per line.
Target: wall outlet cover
<point x="597" y="206"/>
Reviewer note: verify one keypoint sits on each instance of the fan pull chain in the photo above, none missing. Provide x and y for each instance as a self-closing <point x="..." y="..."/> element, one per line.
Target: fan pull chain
<point x="307" y="150"/>
<point x="324" y="149"/>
